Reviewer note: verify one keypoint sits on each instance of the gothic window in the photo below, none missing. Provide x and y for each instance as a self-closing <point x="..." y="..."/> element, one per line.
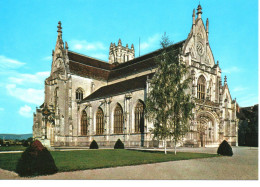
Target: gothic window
<point x="99" y="122"/>
<point x="79" y="94"/>
<point x="56" y="97"/>
<point x="118" y="119"/>
<point x="139" y="117"/>
<point x="201" y="86"/>
<point x="84" y="123"/>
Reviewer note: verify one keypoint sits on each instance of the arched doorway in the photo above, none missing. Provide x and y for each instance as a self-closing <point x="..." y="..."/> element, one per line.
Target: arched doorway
<point x="206" y="129"/>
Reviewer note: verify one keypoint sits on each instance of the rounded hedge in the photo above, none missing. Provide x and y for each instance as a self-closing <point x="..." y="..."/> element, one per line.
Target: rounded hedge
<point x="36" y="160"/>
<point x="93" y="145"/>
<point x="119" y="144"/>
<point x="225" y="149"/>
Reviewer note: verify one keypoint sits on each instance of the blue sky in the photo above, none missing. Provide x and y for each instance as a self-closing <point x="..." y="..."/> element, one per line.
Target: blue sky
<point x="29" y="31"/>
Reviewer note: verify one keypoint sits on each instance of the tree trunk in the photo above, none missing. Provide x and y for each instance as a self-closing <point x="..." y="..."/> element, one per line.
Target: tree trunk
<point x="175" y="147"/>
<point x="165" y="152"/>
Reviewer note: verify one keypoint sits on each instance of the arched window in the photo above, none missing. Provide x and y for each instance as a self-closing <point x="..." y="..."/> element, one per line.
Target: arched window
<point x="56" y="97"/>
<point x="139" y="117"/>
<point x="201" y="86"/>
<point x="84" y="123"/>
<point x="79" y="94"/>
<point x="118" y="119"/>
<point x="100" y="121"/>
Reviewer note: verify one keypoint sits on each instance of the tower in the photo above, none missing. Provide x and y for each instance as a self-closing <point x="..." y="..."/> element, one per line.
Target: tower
<point x="119" y="53"/>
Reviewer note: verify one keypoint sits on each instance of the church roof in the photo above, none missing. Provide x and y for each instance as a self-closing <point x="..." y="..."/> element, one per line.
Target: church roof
<point x="126" y="86"/>
<point x="93" y="68"/>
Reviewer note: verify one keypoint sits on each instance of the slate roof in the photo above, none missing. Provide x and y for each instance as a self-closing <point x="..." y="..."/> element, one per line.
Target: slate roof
<point x="126" y="86"/>
<point x="93" y="68"/>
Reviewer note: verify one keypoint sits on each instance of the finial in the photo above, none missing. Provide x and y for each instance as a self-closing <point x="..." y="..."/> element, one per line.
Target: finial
<point x="111" y="45"/>
<point x="59" y="27"/>
<point x="217" y="63"/>
<point x="132" y="46"/>
<point x="225" y="79"/>
<point x="119" y="42"/>
<point x="193" y="17"/>
<point x="126" y="45"/>
<point x="207" y="25"/>
<point x="199" y="12"/>
<point x="52" y="52"/>
<point x="66" y="45"/>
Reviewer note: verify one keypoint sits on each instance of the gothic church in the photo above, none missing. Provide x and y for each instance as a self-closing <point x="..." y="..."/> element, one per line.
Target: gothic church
<point x="88" y="99"/>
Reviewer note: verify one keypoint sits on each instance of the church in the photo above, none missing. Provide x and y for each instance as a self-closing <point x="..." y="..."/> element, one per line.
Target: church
<point x="88" y="99"/>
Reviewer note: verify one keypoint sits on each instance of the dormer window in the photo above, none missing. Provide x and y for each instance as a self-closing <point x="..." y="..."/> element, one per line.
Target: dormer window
<point x="79" y="94"/>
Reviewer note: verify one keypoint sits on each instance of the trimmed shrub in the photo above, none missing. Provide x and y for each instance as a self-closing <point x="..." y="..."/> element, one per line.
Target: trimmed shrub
<point x="225" y="149"/>
<point x="93" y="145"/>
<point x="119" y="144"/>
<point x="36" y="160"/>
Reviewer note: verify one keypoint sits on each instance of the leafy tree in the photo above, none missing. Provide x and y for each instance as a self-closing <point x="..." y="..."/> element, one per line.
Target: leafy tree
<point x="167" y="104"/>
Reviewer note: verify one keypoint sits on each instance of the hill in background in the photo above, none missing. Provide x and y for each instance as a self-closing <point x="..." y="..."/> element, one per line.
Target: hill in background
<point x="15" y="136"/>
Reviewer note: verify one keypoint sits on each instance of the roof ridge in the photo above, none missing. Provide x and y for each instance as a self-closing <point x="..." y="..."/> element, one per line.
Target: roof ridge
<point x="88" y="56"/>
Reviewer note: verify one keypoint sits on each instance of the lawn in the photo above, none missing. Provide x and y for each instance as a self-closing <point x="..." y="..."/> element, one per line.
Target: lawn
<point x="93" y="159"/>
<point x="12" y="148"/>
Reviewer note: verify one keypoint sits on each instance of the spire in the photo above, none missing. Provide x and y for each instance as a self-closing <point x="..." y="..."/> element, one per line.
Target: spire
<point x="199" y="12"/>
<point x="126" y="45"/>
<point x="66" y="46"/>
<point x="193" y="17"/>
<point x="225" y="80"/>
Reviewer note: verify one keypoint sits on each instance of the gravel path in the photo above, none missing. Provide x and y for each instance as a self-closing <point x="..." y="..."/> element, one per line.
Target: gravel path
<point x="243" y="165"/>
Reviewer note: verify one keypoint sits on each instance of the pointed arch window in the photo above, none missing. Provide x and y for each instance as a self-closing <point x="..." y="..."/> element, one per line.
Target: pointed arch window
<point x="139" y="117"/>
<point x="201" y="86"/>
<point x="118" y="119"/>
<point x="79" y="94"/>
<point x="84" y="123"/>
<point x="99" y="122"/>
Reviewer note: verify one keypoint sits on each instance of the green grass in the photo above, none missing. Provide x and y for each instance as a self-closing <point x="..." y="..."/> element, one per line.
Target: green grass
<point x="13" y="148"/>
<point x="93" y="159"/>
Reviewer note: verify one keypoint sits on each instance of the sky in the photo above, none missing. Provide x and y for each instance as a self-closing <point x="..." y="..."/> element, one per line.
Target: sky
<point x="28" y="34"/>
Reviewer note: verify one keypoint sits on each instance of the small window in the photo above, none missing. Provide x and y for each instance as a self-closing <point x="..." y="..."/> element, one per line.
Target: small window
<point x="201" y="86"/>
<point x="79" y="94"/>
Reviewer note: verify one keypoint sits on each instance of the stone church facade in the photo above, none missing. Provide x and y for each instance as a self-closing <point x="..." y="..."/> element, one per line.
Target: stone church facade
<point x="88" y="99"/>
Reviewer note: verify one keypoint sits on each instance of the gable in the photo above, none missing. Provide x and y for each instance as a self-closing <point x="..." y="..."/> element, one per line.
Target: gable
<point x="197" y="44"/>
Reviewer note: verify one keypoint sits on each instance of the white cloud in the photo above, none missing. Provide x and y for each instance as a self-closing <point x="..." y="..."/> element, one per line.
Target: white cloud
<point x="29" y="95"/>
<point x="230" y="70"/>
<point x="37" y="78"/>
<point x="25" y="111"/>
<point x="8" y="63"/>
<point x="1" y="109"/>
<point x="83" y="45"/>
<point x="47" y="58"/>
<point x="151" y="42"/>
<point x="239" y="89"/>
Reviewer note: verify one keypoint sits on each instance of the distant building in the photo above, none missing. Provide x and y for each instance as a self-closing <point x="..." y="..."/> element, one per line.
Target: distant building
<point x="104" y="101"/>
